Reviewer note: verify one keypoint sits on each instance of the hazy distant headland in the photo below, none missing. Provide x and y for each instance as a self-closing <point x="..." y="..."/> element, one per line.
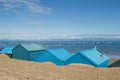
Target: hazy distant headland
<point x="87" y="37"/>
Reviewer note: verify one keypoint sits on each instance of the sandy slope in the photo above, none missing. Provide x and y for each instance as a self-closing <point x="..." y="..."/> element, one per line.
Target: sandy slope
<point x="25" y="70"/>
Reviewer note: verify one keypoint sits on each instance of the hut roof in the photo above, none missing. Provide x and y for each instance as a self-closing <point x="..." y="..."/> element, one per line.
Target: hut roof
<point x="7" y="50"/>
<point x="32" y="47"/>
<point x="61" y="53"/>
<point x="93" y="56"/>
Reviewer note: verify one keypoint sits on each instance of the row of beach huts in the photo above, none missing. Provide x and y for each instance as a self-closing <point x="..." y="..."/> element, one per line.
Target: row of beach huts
<point x="60" y="57"/>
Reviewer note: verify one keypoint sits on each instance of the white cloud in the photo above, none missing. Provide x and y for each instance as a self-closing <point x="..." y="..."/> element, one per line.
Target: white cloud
<point x="19" y="35"/>
<point x="42" y="35"/>
<point x="34" y="35"/>
<point x="32" y="6"/>
<point x="93" y="36"/>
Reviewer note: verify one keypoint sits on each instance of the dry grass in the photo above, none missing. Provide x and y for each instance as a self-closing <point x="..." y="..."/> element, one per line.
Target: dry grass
<point x="24" y="70"/>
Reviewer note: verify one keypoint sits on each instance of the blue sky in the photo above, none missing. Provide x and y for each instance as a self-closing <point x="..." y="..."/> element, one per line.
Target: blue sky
<point x="49" y="19"/>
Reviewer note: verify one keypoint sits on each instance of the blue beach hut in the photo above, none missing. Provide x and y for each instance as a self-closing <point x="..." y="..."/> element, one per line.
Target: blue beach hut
<point x="7" y="50"/>
<point x="56" y="56"/>
<point x="27" y="51"/>
<point x="90" y="57"/>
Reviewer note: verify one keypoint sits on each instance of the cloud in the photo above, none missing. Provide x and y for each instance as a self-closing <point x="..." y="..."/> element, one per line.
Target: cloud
<point x="93" y="36"/>
<point x="32" y="6"/>
<point x="19" y="35"/>
<point x="25" y="35"/>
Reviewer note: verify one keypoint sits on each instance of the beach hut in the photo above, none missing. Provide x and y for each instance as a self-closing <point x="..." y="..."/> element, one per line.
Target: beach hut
<point x="7" y="50"/>
<point x="27" y="51"/>
<point x="56" y="56"/>
<point x="90" y="57"/>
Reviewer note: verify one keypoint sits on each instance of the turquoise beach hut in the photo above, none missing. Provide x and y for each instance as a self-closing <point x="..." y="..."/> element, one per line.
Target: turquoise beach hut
<point x="56" y="56"/>
<point x="7" y="50"/>
<point x="90" y="57"/>
<point x="27" y="51"/>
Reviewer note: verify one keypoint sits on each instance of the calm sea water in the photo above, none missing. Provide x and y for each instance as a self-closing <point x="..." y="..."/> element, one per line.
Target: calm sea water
<point x="110" y="48"/>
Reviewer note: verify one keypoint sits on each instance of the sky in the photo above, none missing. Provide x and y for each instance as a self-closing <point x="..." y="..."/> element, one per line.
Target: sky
<point x="51" y="19"/>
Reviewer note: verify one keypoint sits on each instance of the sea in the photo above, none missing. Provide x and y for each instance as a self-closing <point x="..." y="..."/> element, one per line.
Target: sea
<point x="111" y="48"/>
